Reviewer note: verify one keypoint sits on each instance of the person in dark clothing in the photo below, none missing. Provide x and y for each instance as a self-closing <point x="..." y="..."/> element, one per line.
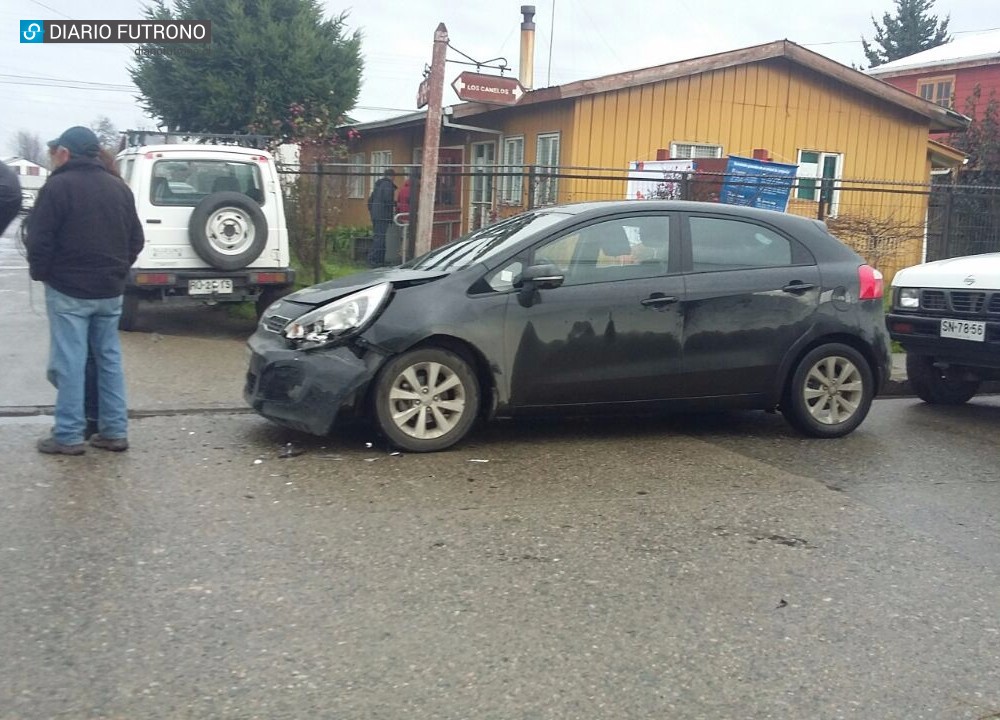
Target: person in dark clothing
<point x="90" y="405"/>
<point x="381" y="207"/>
<point x="83" y="236"/>
<point x="10" y="196"/>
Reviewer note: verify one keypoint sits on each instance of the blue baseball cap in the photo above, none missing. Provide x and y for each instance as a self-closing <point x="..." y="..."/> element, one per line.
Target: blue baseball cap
<point x="79" y="140"/>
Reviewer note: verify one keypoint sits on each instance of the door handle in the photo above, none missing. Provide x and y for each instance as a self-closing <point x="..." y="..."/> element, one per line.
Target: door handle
<point x="153" y="221"/>
<point x="658" y="300"/>
<point x="797" y="287"/>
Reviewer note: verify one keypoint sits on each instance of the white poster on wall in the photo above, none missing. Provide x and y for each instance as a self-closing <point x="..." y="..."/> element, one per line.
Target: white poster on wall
<point x="656" y="179"/>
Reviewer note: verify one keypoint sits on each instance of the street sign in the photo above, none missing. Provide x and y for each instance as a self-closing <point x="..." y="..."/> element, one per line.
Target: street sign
<point x="474" y="87"/>
<point x="423" y="93"/>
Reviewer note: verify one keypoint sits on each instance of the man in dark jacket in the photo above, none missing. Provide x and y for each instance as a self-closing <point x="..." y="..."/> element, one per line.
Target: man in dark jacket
<point x="381" y="206"/>
<point x="83" y="236"/>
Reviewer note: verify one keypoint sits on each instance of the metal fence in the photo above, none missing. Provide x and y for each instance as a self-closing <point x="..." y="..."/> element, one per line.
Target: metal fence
<point x="891" y="224"/>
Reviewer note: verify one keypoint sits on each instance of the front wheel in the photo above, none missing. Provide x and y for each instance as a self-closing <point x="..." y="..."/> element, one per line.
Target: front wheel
<point x="426" y="400"/>
<point x="938" y="386"/>
<point x="830" y="392"/>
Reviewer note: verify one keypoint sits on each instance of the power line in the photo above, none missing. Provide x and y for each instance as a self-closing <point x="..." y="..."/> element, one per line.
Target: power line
<point x="858" y="42"/>
<point x="68" y="86"/>
<point x="44" y="79"/>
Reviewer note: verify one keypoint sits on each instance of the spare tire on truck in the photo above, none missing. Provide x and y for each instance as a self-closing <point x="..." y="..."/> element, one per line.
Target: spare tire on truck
<point x="228" y="230"/>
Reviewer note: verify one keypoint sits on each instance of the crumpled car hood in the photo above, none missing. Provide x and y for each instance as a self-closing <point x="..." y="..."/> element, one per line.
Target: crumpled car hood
<point x="339" y="287"/>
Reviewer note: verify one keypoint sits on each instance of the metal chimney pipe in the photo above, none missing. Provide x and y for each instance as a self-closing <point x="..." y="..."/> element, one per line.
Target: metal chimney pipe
<point x="526" y="70"/>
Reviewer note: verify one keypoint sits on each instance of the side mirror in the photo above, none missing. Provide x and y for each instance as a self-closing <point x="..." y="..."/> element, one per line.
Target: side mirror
<point x="541" y="277"/>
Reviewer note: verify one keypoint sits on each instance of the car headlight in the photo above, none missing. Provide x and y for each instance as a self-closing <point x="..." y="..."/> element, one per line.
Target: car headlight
<point x="909" y="298"/>
<point x="339" y="318"/>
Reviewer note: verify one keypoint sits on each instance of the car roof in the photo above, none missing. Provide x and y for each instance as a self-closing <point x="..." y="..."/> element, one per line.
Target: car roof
<point x="584" y="210"/>
<point x="195" y="147"/>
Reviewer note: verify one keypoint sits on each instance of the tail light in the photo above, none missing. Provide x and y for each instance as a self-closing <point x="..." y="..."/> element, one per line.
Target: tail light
<point x="870" y="281"/>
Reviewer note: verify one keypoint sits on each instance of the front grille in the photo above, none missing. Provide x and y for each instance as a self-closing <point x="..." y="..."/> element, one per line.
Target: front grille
<point x="967" y="302"/>
<point x="275" y="323"/>
<point x="994" y="307"/>
<point x="933" y="300"/>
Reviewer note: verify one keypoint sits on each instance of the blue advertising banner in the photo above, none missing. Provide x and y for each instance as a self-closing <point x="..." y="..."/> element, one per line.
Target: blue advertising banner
<point x="756" y="183"/>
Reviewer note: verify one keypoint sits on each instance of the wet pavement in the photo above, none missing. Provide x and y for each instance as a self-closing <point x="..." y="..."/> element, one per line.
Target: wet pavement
<point x="577" y="570"/>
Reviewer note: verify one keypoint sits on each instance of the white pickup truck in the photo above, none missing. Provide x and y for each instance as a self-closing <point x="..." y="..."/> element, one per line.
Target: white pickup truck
<point x="946" y="315"/>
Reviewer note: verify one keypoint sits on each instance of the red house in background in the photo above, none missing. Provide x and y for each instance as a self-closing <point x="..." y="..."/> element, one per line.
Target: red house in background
<point x="948" y="74"/>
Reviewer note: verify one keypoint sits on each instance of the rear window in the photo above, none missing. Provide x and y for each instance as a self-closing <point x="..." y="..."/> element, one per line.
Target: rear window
<point x="186" y="182"/>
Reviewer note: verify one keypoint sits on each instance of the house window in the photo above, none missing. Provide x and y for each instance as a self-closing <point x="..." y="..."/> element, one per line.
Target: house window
<point x="688" y="151"/>
<point x="546" y="169"/>
<point x="816" y="175"/>
<point x="512" y="186"/>
<point x="356" y="180"/>
<point x="381" y="161"/>
<point x="937" y="90"/>
<point x="32" y="170"/>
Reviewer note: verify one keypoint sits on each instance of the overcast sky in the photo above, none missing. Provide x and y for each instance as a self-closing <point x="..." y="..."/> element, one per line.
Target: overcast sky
<point x="48" y="87"/>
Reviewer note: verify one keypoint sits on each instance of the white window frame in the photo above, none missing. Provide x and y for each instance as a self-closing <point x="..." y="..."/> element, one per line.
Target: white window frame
<point x="694" y="151"/>
<point x="512" y="186"/>
<point x="934" y="85"/>
<point x="381" y="160"/>
<point x="814" y="171"/>
<point x="356" y="179"/>
<point x="546" y="182"/>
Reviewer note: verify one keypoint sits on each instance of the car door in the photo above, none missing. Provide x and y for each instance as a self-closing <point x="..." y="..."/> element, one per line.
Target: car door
<point x="612" y="331"/>
<point x="751" y="293"/>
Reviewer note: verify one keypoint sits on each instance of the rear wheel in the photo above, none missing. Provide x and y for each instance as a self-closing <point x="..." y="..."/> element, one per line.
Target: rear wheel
<point x="130" y="312"/>
<point x="830" y="392"/>
<point x="426" y="400"/>
<point x="938" y="386"/>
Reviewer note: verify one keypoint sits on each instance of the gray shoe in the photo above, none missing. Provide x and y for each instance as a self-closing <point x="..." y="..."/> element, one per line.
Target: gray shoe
<point x="112" y="444"/>
<point x="49" y="446"/>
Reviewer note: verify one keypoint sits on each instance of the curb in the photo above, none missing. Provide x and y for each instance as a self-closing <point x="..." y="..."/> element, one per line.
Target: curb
<point x="15" y="411"/>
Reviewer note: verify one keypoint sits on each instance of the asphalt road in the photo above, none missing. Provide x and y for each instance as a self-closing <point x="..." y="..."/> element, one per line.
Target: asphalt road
<point x="694" y="567"/>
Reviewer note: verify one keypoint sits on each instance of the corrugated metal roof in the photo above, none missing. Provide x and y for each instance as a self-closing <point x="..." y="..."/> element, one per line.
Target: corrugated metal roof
<point x="942" y="119"/>
<point x="967" y="48"/>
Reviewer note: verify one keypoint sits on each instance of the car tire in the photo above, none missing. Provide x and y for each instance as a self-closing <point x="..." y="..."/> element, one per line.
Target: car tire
<point x="408" y="411"/>
<point x="937" y="386"/>
<point x="269" y="295"/>
<point x="228" y="230"/>
<point x="830" y="392"/>
<point x="130" y="312"/>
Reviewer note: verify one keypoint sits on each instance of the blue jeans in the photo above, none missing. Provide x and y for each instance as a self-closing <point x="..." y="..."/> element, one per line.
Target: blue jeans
<point x="76" y="326"/>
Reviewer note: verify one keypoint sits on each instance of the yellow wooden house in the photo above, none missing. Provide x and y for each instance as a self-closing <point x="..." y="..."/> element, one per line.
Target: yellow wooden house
<point x="866" y="139"/>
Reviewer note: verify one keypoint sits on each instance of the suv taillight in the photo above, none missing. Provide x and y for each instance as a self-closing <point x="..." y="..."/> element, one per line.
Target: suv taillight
<point x="870" y="281"/>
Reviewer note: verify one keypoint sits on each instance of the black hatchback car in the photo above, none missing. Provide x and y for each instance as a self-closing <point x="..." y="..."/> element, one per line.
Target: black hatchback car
<point x="595" y="307"/>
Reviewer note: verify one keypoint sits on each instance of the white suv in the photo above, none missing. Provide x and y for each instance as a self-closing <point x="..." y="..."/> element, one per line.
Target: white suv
<point x="946" y="315"/>
<point x="213" y="217"/>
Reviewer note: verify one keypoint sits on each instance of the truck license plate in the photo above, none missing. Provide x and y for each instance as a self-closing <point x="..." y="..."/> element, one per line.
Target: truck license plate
<point x="964" y="330"/>
<point x="210" y="286"/>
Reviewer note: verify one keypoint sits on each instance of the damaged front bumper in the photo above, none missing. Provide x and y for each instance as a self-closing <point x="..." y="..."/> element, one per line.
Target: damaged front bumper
<point x="307" y="389"/>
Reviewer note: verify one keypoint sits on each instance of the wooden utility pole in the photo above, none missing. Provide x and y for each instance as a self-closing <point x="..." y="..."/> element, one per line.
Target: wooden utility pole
<point x="432" y="141"/>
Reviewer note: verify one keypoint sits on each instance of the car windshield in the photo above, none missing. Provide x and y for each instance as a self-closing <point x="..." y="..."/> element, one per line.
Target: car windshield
<point x="484" y="243"/>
